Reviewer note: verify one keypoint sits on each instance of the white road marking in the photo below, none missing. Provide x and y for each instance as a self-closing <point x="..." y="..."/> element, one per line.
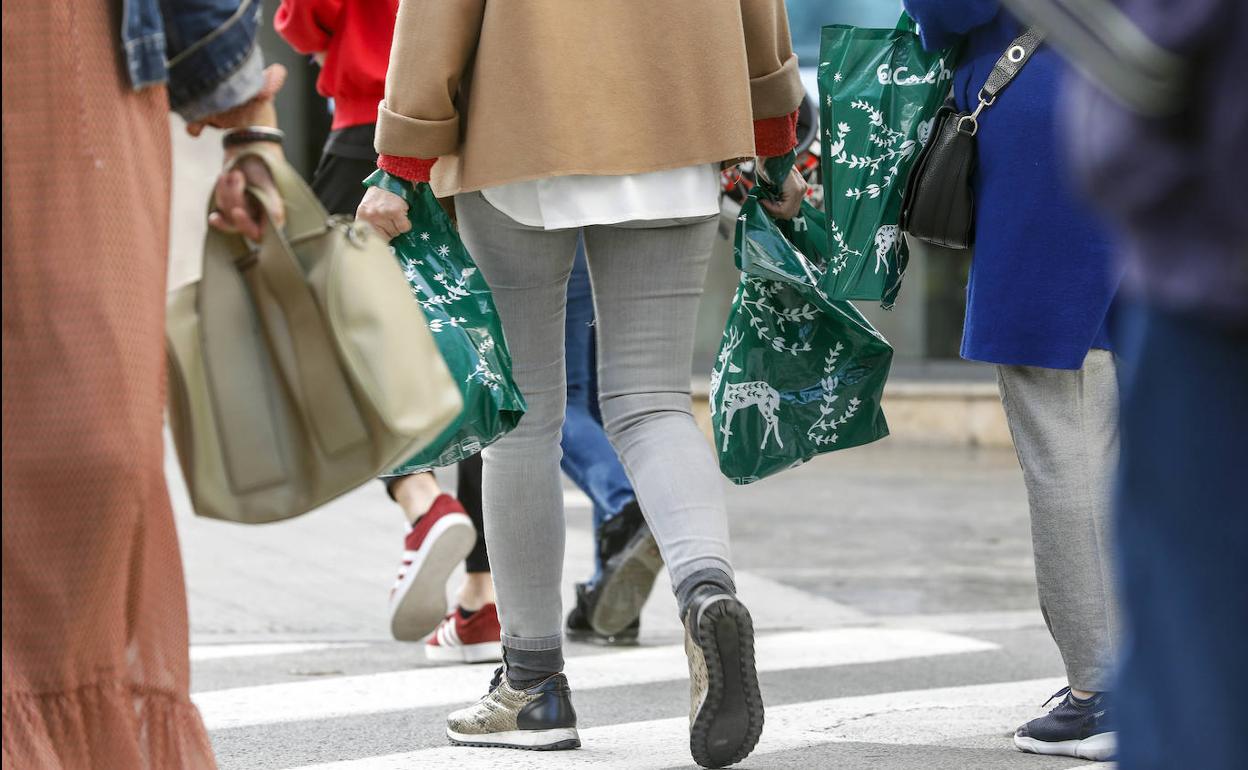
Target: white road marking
<point x="967" y="622"/>
<point x="437" y="686"/>
<point x="914" y="717"/>
<point x="202" y="652"/>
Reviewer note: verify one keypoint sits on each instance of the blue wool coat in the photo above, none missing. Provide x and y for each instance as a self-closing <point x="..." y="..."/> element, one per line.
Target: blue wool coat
<point x="1043" y="277"/>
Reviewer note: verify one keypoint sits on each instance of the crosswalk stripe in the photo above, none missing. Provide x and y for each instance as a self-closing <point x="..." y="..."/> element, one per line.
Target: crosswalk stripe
<point x="439" y="686"/>
<point x="913" y="717"/>
<point x="203" y="652"/>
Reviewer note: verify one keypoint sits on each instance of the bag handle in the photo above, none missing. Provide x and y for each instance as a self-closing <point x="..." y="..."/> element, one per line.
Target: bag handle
<point x="318" y="381"/>
<point x="771" y="173"/>
<point x="305" y="216"/>
<point x="234" y="366"/>
<point x="1003" y="73"/>
<point x="277" y="282"/>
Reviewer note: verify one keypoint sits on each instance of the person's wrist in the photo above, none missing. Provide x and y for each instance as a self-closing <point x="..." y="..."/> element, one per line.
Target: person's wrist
<point x="259" y="112"/>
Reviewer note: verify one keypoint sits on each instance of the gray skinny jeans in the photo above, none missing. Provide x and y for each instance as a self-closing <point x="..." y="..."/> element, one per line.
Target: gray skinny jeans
<point x="647" y="281"/>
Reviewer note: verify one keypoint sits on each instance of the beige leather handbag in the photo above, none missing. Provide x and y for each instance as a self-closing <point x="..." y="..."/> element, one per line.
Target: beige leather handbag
<point x="300" y="367"/>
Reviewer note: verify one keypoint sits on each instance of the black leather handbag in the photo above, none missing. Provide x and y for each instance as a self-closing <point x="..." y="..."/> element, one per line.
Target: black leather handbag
<point x="938" y="206"/>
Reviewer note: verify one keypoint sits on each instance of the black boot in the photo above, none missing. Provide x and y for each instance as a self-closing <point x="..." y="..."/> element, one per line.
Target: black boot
<point x="579" y="629"/>
<point x="630" y="561"/>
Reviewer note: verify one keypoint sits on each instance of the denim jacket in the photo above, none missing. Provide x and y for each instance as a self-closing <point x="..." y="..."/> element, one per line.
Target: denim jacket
<point x="205" y="50"/>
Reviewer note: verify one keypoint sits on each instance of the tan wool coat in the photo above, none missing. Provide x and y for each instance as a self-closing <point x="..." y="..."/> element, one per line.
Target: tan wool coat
<point x="510" y="90"/>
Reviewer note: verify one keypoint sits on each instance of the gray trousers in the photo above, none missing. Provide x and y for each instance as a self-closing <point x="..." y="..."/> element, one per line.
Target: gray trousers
<point x="1065" y="429"/>
<point x="647" y="282"/>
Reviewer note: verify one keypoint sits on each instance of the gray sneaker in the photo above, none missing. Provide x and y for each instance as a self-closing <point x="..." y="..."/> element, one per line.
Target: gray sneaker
<point x="726" y="706"/>
<point x="540" y="718"/>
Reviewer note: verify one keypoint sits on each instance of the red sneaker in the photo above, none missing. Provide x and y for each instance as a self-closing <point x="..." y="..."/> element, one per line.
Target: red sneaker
<point x="477" y="639"/>
<point x="435" y="545"/>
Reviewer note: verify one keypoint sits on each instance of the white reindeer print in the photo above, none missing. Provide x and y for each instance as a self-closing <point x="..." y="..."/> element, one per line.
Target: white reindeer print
<point x="885" y="240"/>
<point x="742" y="395"/>
<point x="731" y="340"/>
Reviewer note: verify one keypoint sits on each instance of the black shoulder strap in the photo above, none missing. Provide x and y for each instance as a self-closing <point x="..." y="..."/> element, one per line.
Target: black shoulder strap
<point x="1002" y="74"/>
<point x="1010" y="63"/>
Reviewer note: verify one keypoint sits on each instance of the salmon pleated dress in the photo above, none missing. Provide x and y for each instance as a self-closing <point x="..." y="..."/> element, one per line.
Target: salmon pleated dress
<point x="95" y="663"/>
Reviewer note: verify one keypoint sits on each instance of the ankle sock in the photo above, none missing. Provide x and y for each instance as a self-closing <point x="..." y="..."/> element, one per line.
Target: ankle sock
<point x="526" y="668"/>
<point x="465" y="614"/>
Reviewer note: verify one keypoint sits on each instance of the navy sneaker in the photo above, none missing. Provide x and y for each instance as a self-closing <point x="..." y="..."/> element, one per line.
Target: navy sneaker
<point x="1074" y="728"/>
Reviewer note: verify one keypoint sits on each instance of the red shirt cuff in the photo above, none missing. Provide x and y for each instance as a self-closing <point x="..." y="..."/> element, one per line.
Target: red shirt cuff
<point x="412" y="169"/>
<point x="775" y="136"/>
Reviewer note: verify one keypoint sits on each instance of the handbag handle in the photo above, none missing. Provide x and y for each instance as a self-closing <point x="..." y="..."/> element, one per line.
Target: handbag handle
<point x="276" y="280"/>
<point x="318" y="381"/>
<point x="305" y="216"/>
<point x="1003" y="73"/>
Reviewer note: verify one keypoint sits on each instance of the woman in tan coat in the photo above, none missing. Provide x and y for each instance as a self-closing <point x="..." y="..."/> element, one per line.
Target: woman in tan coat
<point x="546" y="119"/>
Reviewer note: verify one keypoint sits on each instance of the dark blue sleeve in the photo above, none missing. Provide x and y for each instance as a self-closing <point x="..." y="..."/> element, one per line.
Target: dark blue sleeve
<point x="942" y="22"/>
<point x="214" y="62"/>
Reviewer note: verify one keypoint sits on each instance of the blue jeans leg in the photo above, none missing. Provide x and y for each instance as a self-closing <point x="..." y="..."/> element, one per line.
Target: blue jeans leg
<point x="1182" y="532"/>
<point x="588" y="457"/>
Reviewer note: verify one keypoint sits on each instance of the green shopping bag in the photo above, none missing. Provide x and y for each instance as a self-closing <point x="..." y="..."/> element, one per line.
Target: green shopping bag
<point x="878" y="96"/>
<point x="461" y="314"/>
<point x="797" y="374"/>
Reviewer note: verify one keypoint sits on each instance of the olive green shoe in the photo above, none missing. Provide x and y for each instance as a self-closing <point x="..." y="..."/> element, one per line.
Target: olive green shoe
<point x="726" y="706"/>
<point x="540" y="718"/>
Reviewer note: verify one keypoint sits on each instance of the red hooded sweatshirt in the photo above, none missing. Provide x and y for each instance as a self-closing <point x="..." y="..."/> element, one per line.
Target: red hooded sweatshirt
<point x="355" y="37"/>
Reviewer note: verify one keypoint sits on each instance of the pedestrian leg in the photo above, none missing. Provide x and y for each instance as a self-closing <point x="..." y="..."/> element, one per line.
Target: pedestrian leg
<point x="1182" y="536"/>
<point x="626" y="557"/>
<point x="1065" y="429"/>
<point x="527" y="270"/>
<point x="647" y="286"/>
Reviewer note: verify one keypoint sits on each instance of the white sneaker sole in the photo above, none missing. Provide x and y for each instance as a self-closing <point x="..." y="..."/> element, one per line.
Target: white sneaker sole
<point x="533" y="740"/>
<point x="483" y="652"/>
<point x="1098" y="748"/>
<point x="419" y="601"/>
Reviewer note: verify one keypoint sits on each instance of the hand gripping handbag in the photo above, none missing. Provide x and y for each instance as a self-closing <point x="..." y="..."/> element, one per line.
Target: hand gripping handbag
<point x="299" y="367"/>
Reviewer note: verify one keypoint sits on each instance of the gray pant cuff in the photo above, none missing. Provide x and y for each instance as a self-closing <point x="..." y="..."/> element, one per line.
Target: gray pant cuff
<point x="528" y="667"/>
<point x="714" y="576"/>
<point x="532" y="643"/>
<point x="682" y="573"/>
<point x="1091" y="679"/>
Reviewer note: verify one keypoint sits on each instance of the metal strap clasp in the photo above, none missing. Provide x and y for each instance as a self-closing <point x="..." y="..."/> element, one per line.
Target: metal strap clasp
<point x="973" y="118"/>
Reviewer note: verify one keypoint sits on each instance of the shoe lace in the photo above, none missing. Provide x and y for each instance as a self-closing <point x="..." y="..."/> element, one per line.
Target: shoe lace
<point x="497" y="681"/>
<point x="1059" y="694"/>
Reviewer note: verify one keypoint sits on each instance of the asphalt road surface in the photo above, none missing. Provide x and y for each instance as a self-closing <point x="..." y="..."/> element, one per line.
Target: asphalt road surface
<point x="891" y="587"/>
